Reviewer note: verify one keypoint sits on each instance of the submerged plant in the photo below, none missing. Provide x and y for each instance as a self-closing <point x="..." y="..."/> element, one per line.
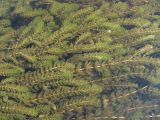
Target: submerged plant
<point x="64" y="59"/>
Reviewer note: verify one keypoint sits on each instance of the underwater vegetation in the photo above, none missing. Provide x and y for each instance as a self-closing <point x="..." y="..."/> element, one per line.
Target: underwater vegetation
<point x="79" y="59"/>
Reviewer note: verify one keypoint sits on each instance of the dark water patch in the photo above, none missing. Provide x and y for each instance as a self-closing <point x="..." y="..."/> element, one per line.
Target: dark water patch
<point x="128" y="15"/>
<point x="30" y="45"/>
<point x="157" y="13"/>
<point x="57" y="21"/>
<point x="37" y="5"/>
<point x="155" y="55"/>
<point x="158" y="86"/>
<point x="149" y="67"/>
<point x="141" y="82"/>
<point x="145" y="96"/>
<point x="2" y="78"/>
<point x="128" y="27"/>
<point x="11" y="10"/>
<point x="67" y="56"/>
<point x="29" y="69"/>
<point x="18" y="21"/>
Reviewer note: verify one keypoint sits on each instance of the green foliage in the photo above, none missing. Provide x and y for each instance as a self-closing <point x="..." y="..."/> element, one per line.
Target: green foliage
<point x="83" y="59"/>
<point x="62" y="9"/>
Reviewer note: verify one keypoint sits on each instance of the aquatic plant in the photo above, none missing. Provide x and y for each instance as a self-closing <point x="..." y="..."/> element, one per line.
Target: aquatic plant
<point x="65" y="59"/>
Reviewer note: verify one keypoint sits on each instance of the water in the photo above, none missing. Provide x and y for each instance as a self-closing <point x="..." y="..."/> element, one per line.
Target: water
<point x="79" y="59"/>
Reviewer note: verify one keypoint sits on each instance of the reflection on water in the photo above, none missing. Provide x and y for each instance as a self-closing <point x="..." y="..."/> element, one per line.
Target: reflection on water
<point x="79" y="59"/>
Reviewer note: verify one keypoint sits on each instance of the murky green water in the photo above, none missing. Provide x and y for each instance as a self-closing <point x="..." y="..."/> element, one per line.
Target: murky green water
<point x="79" y="59"/>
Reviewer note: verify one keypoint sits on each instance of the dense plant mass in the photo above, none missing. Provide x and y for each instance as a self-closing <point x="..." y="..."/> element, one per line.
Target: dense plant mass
<point x="79" y="59"/>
